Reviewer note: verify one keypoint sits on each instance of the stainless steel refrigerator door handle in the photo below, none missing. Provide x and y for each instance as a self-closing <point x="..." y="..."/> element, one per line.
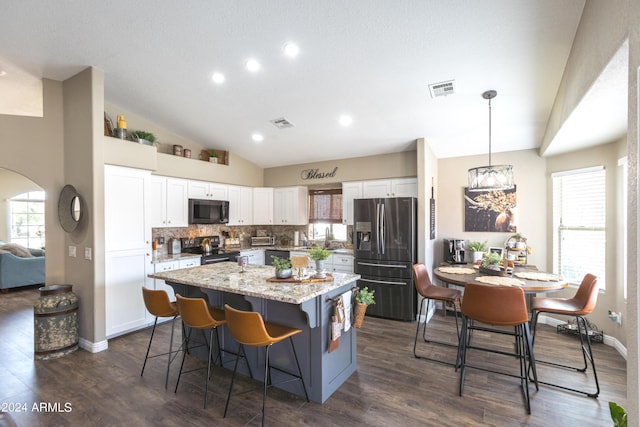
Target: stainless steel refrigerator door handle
<point x="378" y="227"/>
<point x="383" y="282"/>
<point x="382" y="228"/>
<point x="369" y="264"/>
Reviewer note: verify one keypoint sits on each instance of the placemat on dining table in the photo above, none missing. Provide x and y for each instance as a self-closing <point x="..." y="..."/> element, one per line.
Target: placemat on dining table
<point x="535" y="275"/>
<point x="499" y="281"/>
<point x="457" y="270"/>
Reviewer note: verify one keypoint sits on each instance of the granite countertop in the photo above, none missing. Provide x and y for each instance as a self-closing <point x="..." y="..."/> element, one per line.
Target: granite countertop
<point x="294" y="248"/>
<point x="176" y="257"/>
<point x="226" y="276"/>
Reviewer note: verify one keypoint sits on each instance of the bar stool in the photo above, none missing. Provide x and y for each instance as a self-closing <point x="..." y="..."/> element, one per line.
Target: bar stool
<point x="197" y="315"/>
<point x="498" y="306"/>
<point x="582" y="303"/>
<point x="248" y="328"/>
<point x="158" y="304"/>
<point x="438" y="293"/>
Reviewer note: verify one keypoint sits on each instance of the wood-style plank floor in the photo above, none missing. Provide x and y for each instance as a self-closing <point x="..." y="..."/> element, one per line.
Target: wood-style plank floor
<point x="390" y="387"/>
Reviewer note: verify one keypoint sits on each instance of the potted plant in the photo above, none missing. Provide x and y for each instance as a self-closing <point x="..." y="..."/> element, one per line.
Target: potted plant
<point x="319" y="255"/>
<point x="283" y="267"/>
<point x="364" y="298"/>
<point x="491" y="264"/>
<point x="477" y="249"/>
<point x="143" y="137"/>
<point x="284" y="239"/>
<point x="520" y="241"/>
<point x="213" y="156"/>
<point x="618" y="415"/>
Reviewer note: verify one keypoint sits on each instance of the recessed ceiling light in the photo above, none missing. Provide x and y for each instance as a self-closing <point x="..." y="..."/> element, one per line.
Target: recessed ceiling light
<point x="3" y="73"/>
<point x="291" y="49"/>
<point x="217" y="77"/>
<point x="345" y="120"/>
<point x="253" y="65"/>
<point x="257" y="137"/>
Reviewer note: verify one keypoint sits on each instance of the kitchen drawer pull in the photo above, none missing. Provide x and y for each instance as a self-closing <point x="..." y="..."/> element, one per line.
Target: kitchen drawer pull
<point x="368" y="264"/>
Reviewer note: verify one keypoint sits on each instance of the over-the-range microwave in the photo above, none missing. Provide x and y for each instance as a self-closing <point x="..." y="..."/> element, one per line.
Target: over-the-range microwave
<point x="208" y="211"/>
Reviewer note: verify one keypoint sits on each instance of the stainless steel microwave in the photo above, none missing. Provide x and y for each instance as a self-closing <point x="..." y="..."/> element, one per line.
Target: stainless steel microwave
<point x="208" y="211"/>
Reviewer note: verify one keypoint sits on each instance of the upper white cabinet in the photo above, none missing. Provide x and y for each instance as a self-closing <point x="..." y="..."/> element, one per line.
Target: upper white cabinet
<point x="208" y="190"/>
<point x="290" y="206"/>
<point x="240" y="205"/>
<point x="350" y="192"/>
<point x="168" y="202"/>
<point x="262" y="206"/>
<point x="397" y="187"/>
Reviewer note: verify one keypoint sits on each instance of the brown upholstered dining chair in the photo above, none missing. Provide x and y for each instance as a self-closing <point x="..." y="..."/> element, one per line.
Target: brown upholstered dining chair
<point x="158" y="304"/>
<point x="249" y="329"/>
<point x="437" y="293"/>
<point x="198" y="316"/>
<point x="581" y="304"/>
<point x="501" y="306"/>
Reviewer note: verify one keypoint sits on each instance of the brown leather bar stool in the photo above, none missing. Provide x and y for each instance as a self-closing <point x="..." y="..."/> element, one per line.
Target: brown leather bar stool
<point x="438" y="293"/>
<point x="248" y="328"/>
<point x="197" y="315"/>
<point x="498" y="306"/>
<point x="158" y="304"/>
<point x="581" y="304"/>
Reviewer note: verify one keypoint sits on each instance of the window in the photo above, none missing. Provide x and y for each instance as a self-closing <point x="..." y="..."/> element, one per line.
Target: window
<point x="579" y="239"/>
<point x="27" y="219"/>
<point x="325" y="215"/>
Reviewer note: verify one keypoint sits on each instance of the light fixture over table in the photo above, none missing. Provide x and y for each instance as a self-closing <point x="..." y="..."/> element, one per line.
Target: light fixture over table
<point x="491" y="177"/>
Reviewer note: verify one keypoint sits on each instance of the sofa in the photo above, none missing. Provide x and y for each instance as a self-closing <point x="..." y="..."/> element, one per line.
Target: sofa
<point x="20" y="266"/>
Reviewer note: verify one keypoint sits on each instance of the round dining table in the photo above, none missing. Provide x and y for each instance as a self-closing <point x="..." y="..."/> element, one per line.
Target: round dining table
<point x="530" y="280"/>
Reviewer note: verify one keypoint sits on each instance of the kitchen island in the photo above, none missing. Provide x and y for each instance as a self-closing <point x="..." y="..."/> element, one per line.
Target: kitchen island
<point x="307" y="306"/>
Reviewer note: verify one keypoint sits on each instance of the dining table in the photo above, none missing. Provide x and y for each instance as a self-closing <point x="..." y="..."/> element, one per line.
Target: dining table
<point x="531" y="280"/>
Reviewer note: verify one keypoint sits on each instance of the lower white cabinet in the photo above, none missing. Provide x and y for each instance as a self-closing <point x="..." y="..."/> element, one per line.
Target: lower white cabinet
<point x="342" y="263"/>
<point x="159" y="267"/>
<point x="255" y="256"/>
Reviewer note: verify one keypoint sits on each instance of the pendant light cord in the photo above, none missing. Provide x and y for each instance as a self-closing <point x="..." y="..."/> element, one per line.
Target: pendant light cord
<point x="489" y="131"/>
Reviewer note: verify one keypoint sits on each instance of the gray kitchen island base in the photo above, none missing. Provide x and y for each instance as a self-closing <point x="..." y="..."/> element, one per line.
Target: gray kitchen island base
<point x="323" y="372"/>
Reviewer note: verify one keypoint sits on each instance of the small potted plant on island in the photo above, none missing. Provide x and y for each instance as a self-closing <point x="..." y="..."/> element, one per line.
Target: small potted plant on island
<point x="283" y="267"/>
<point x="319" y="255"/>
<point x="477" y="249"/>
<point x="364" y="298"/>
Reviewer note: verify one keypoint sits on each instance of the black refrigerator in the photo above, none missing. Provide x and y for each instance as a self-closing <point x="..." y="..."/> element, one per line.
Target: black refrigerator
<point x="384" y="242"/>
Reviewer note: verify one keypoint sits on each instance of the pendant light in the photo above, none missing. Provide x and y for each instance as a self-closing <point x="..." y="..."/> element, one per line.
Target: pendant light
<point x="491" y="177"/>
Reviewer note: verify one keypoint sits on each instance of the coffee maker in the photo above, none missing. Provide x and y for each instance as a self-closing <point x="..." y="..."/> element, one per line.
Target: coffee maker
<point x="454" y="251"/>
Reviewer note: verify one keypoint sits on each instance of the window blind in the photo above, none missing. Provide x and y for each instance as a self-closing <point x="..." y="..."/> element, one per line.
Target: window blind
<point x="579" y="215"/>
<point x="325" y="206"/>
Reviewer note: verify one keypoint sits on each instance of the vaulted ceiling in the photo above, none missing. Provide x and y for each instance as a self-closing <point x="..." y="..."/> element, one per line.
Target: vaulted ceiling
<point x="372" y="60"/>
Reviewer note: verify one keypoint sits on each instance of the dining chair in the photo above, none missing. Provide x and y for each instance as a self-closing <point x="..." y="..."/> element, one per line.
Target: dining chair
<point x="500" y="306"/>
<point x="578" y="306"/>
<point x="198" y="316"/>
<point x="249" y="329"/>
<point x="437" y="293"/>
<point x="158" y="304"/>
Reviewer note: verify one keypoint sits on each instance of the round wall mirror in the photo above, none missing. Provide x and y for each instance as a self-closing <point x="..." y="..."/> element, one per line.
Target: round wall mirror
<point x="69" y="208"/>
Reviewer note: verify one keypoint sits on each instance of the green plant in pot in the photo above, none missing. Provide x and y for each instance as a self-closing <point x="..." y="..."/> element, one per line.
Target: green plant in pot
<point x="491" y="261"/>
<point x="364" y="298"/>
<point x="283" y="267"/>
<point x="477" y="249"/>
<point x="319" y="255"/>
<point x="143" y="137"/>
<point x="213" y="157"/>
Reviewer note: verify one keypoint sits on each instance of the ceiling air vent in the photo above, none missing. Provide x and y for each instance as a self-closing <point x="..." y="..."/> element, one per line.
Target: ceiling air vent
<point x="442" y="89"/>
<point x="281" y="123"/>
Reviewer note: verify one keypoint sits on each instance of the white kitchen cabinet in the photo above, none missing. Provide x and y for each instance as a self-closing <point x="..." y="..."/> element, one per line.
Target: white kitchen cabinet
<point x="290" y="206"/>
<point x="160" y="267"/>
<point x="127" y="249"/>
<point x="350" y="192"/>
<point x="208" y="190"/>
<point x="342" y="263"/>
<point x="168" y="202"/>
<point x="263" y="206"/>
<point x="396" y="187"/>
<point x="255" y="256"/>
<point x="240" y="205"/>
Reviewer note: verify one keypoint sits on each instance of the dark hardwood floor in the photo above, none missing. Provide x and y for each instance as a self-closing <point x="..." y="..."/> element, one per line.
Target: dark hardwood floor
<point x="390" y="387"/>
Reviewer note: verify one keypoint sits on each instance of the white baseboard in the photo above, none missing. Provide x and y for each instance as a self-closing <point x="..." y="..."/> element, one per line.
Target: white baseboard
<point x="607" y="340"/>
<point x="93" y="347"/>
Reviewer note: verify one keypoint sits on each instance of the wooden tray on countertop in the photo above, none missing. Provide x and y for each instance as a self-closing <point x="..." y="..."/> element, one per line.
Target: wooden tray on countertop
<point x="311" y="279"/>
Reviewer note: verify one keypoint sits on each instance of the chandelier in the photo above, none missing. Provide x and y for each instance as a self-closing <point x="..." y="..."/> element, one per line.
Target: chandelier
<point x="491" y="177"/>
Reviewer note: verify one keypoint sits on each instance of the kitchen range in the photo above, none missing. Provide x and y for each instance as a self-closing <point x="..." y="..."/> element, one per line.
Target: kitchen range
<point x="209" y="248"/>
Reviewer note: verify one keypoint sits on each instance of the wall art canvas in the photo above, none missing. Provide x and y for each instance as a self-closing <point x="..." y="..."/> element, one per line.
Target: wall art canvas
<point x="493" y="210"/>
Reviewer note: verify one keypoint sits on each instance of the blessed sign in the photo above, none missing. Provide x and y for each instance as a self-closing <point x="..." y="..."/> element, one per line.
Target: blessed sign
<point x="316" y="174"/>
